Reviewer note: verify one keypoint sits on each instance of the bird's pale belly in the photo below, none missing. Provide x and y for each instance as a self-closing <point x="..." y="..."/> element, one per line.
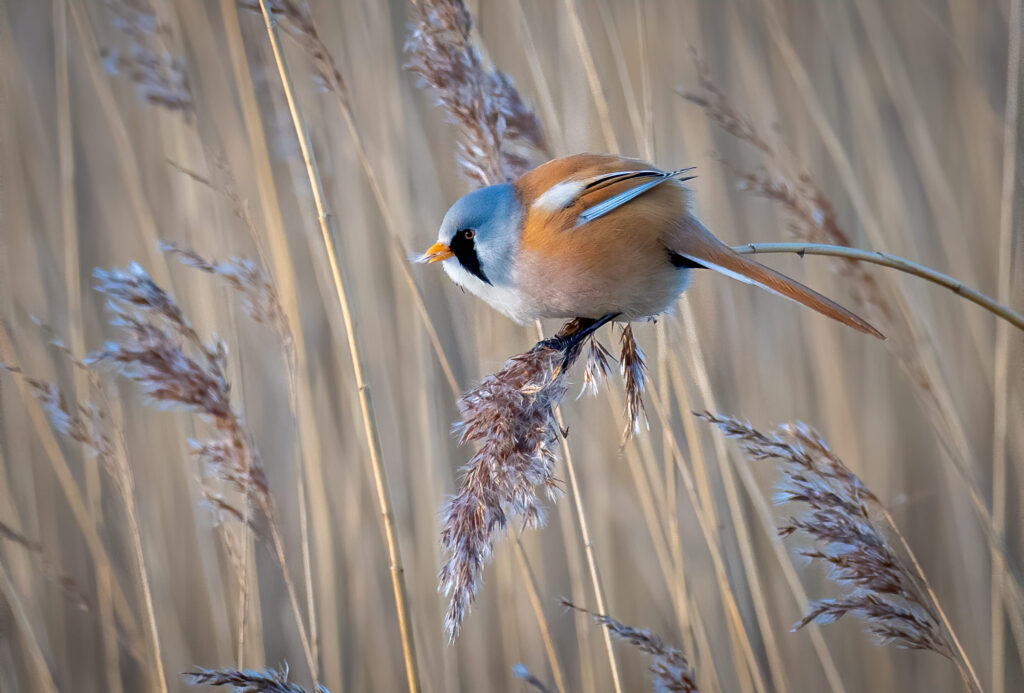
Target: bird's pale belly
<point x="547" y="291"/>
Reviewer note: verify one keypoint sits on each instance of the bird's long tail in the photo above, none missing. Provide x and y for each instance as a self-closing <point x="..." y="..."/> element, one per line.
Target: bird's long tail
<point x="694" y="242"/>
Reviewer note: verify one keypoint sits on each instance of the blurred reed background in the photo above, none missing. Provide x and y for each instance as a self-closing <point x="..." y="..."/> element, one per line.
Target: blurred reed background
<point x="126" y="123"/>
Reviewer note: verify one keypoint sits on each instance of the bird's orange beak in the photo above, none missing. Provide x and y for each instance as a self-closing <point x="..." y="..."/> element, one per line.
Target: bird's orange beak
<point x="437" y="253"/>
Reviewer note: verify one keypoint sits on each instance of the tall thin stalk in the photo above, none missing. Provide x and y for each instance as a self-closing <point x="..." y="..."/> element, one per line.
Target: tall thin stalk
<point x="329" y="234"/>
<point x="588" y="544"/>
<point x="1001" y="381"/>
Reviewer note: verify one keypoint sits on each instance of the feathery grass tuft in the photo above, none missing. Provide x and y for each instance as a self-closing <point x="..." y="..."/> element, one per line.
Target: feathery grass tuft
<point x="496" y="128"/>
<point x="512" y="414"/>
<point x="259" y="295"/>
<point x="634" y="375"/>
<point x="159" y="76"/>
<point x="163" y="354"/>
<point x="597" y="369"/>
<point x="849" y="525"/>
<point x="669" y="668"/>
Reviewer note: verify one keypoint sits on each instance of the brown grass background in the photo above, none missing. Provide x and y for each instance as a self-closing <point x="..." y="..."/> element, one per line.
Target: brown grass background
<point x="907" y="97"/>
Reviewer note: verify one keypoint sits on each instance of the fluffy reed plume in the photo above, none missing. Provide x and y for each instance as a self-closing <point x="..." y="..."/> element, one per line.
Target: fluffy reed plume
<point x="523" y="674"/>
<point x="259" y="296"/>
<point x="849" y="525"/>
<point x="670" y="670"/>
<point x="296" y="19"/>
<point x="164" y="355"/>
<point x="496" y="128"/>
<point x="634" y="376"/>
<point x="512" y="414"/>
<point x="247" y="681"/>
<point x="159" y="76"/>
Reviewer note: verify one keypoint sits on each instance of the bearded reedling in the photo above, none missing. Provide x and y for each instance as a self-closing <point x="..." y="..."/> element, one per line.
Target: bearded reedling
<point x="596" y="237"/>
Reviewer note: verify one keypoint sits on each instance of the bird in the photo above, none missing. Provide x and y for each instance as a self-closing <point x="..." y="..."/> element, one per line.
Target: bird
<point x="598" y="238"/>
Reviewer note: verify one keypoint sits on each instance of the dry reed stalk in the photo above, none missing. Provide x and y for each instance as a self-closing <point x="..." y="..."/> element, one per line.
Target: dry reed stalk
<point x="124" y="148"/>
<point x="247" y="681"/>
<point x="893" y="598"/>
<point x="593" y="79"/>
<point x="581" y="516"/>
<point x="329" y="233"/>
<point x="708" y="525"/>
<point x="69" y="487"/>
<point x="90" y="425"/>
<point x="670" y="669"/>
<point x="72" y="286"/>
<point x="280" y="258"/>
<point x="1004" y="312"/>
<point x="500" y="119"/>
<point x="540" y="80"/>
<point x="538" y="608"/>
<point x="1001" y="380"/>
<point x="30" y="641"/>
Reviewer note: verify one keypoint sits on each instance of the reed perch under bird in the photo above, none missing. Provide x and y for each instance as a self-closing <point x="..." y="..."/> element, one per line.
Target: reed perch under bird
<point x="596" y="237"/>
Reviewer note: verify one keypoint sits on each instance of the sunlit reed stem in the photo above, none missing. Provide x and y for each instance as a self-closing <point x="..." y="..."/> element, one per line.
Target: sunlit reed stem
<point x="588" y="545"/>
<point x="1001" y="382"/>
<point x="365" y="401"/>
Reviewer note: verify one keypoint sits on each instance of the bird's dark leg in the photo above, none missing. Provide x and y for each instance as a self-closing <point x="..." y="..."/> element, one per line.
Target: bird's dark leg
<point x="572" y="335"/>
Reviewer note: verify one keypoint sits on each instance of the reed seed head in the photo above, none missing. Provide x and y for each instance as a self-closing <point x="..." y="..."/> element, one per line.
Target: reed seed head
<point x="670" y="670"/>
<point x="511" y="415"/>
<point x="842" y="519"/>
<point x="496" y="129"/>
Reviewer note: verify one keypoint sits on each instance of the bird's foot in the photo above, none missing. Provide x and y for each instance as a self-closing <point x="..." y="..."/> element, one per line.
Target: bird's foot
<point x="573" y="334"/>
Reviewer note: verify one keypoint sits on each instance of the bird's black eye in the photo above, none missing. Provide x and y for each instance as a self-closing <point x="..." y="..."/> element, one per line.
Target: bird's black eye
<point x="468" y="234"/>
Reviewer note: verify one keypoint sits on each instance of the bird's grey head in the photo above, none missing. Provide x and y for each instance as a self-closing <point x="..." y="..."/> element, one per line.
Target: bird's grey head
<point x="479" y="237"/>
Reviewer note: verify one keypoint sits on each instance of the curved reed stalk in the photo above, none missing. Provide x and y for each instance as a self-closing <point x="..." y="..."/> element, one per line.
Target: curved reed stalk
<point x="894" y="262"/>
<point x="329" y="233"/>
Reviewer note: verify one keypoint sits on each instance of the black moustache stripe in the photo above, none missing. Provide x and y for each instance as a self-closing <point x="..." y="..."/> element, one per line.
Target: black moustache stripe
<point x="465" y="253"/>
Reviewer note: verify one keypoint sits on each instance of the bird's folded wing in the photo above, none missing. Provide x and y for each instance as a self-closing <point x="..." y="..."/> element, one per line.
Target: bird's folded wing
<point x="635" y="183"/>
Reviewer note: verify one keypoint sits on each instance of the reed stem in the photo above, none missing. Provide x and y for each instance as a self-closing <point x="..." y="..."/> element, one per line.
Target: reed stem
<point x="329" y="234"/>
<point x="588" y="546"/>
<point x="1001" y="381"/>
